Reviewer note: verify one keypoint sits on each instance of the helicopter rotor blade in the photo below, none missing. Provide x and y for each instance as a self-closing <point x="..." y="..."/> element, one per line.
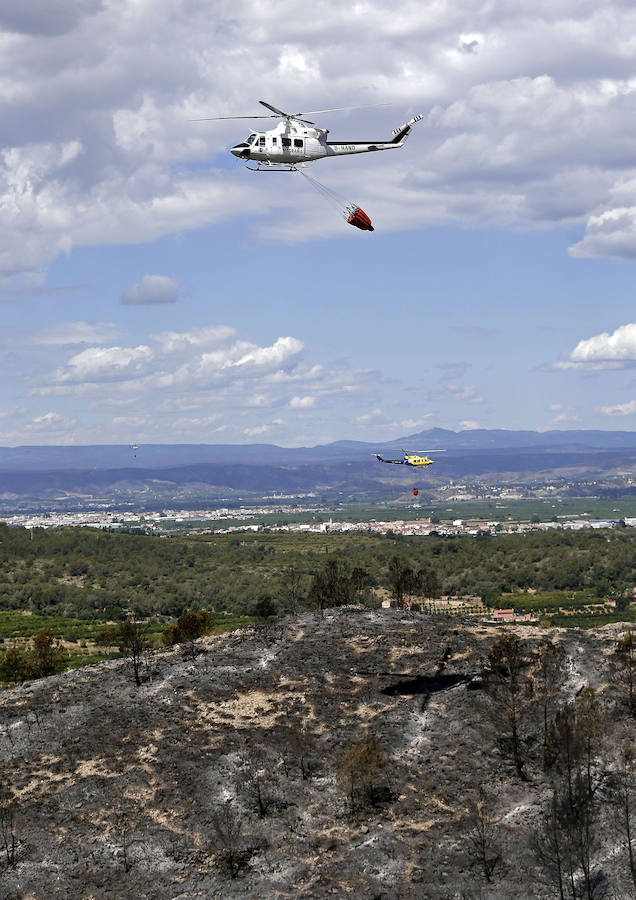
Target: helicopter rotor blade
<point x="314" y="112"/>
<point x="219" y="118"/>
<point x="278" y="112"/>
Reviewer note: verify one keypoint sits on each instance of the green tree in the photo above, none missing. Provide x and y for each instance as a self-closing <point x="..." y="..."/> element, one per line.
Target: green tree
<point x="330" y="587"/>
<point x="427" y="584"/>
<point x="47" y="655"/>
<point x="190" y="626"/>
<point x="264" y="607"/>
<point x="359" y="582"/>
<point x="358" y="772"/>
<point x="402" y="579"/>
<point x="14" y="665"/>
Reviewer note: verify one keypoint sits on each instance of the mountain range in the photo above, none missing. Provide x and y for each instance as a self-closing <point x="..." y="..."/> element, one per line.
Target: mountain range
<point x="47" y="476"/>
<point x="150" y="456"/>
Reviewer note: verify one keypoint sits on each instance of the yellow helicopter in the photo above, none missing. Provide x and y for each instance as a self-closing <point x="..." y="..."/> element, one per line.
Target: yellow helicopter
<point x="410" y="459"/>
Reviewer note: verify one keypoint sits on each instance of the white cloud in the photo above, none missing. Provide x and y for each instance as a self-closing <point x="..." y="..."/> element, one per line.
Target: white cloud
<point x="302" y="402"/>
<point x="281" y="350"/>
<point x="610" y="233"/>
<point x="469" y="425"/>
<point x="604" y="351"/>
<point x="619" y="409"/>
<point x="412" y="424"/>
<point x="184" y="381"/>
<point x="150" y="290"/>
<point x="50" y="422"/>
<point x="259" y="401"/>
<point x="527" y="118"/>
<point x="75" y="333"/>
<point x="256" y="430"/>
<point x="467" y="393"/>
<point x="104" y="364"/>
<point x="211" y="336"/>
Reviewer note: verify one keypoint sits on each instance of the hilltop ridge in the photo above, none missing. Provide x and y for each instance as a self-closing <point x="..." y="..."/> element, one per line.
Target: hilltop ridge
<point x="141" y="792"/>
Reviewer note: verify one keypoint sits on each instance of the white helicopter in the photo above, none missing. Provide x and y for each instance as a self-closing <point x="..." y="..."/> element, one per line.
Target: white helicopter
<point x="296" y="141"/>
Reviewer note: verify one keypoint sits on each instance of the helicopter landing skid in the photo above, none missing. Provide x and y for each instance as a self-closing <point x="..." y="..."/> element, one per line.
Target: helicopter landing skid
<point x="279" y="167"/>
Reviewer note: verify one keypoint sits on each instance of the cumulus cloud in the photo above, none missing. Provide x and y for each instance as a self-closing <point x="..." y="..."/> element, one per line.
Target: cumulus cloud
<point x="256" y="430"/>
<point x="302" y="402"/>
<point x="610" y="233"/>
<point x="105" y="364"/>
<point x="152" y="289"/>
<point x="50" y="422"/>
<point x="527" y="117"/>
<point x="604" y="351"/>
<point x="619" y="409"/>
<point x="279" y="351"/>
<point x="207" y="379"/>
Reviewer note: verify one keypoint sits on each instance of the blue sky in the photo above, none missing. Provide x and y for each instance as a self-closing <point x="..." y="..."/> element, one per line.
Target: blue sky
<point x="155" y="291"/>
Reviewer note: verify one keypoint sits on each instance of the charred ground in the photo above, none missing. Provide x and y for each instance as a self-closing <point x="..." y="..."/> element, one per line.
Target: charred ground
<point x="222" y="776"/>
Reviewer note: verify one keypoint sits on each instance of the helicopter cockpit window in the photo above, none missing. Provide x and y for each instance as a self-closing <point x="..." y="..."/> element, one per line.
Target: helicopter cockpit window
<point x="297" y="142"/>
<point x="251" y="139"/>
<point x="261" y="141"/>
<point x="286" y="142"/>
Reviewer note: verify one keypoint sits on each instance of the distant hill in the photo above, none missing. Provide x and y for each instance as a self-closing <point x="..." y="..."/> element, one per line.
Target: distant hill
<point x="344" y="470"/>
<point x="150" y="456"/>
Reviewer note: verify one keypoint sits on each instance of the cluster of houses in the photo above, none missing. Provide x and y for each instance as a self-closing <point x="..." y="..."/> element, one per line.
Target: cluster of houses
<point x="460" y="606"/>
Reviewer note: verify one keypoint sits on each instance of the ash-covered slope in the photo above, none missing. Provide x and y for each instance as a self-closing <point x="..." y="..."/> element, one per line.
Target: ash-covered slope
<point x="230" y="759"/>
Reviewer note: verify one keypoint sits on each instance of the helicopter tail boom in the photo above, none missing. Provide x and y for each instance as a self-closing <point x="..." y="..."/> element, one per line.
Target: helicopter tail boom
<point x="401" y="133"/>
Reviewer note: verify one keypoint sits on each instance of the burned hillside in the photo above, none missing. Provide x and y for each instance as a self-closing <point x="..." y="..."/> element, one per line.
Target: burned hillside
<point x="366" y="753"/>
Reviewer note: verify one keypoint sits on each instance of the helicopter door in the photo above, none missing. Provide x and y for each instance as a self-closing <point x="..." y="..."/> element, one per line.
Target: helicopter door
<point x="299" y="145"/>
<point x="275" y="149"/>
